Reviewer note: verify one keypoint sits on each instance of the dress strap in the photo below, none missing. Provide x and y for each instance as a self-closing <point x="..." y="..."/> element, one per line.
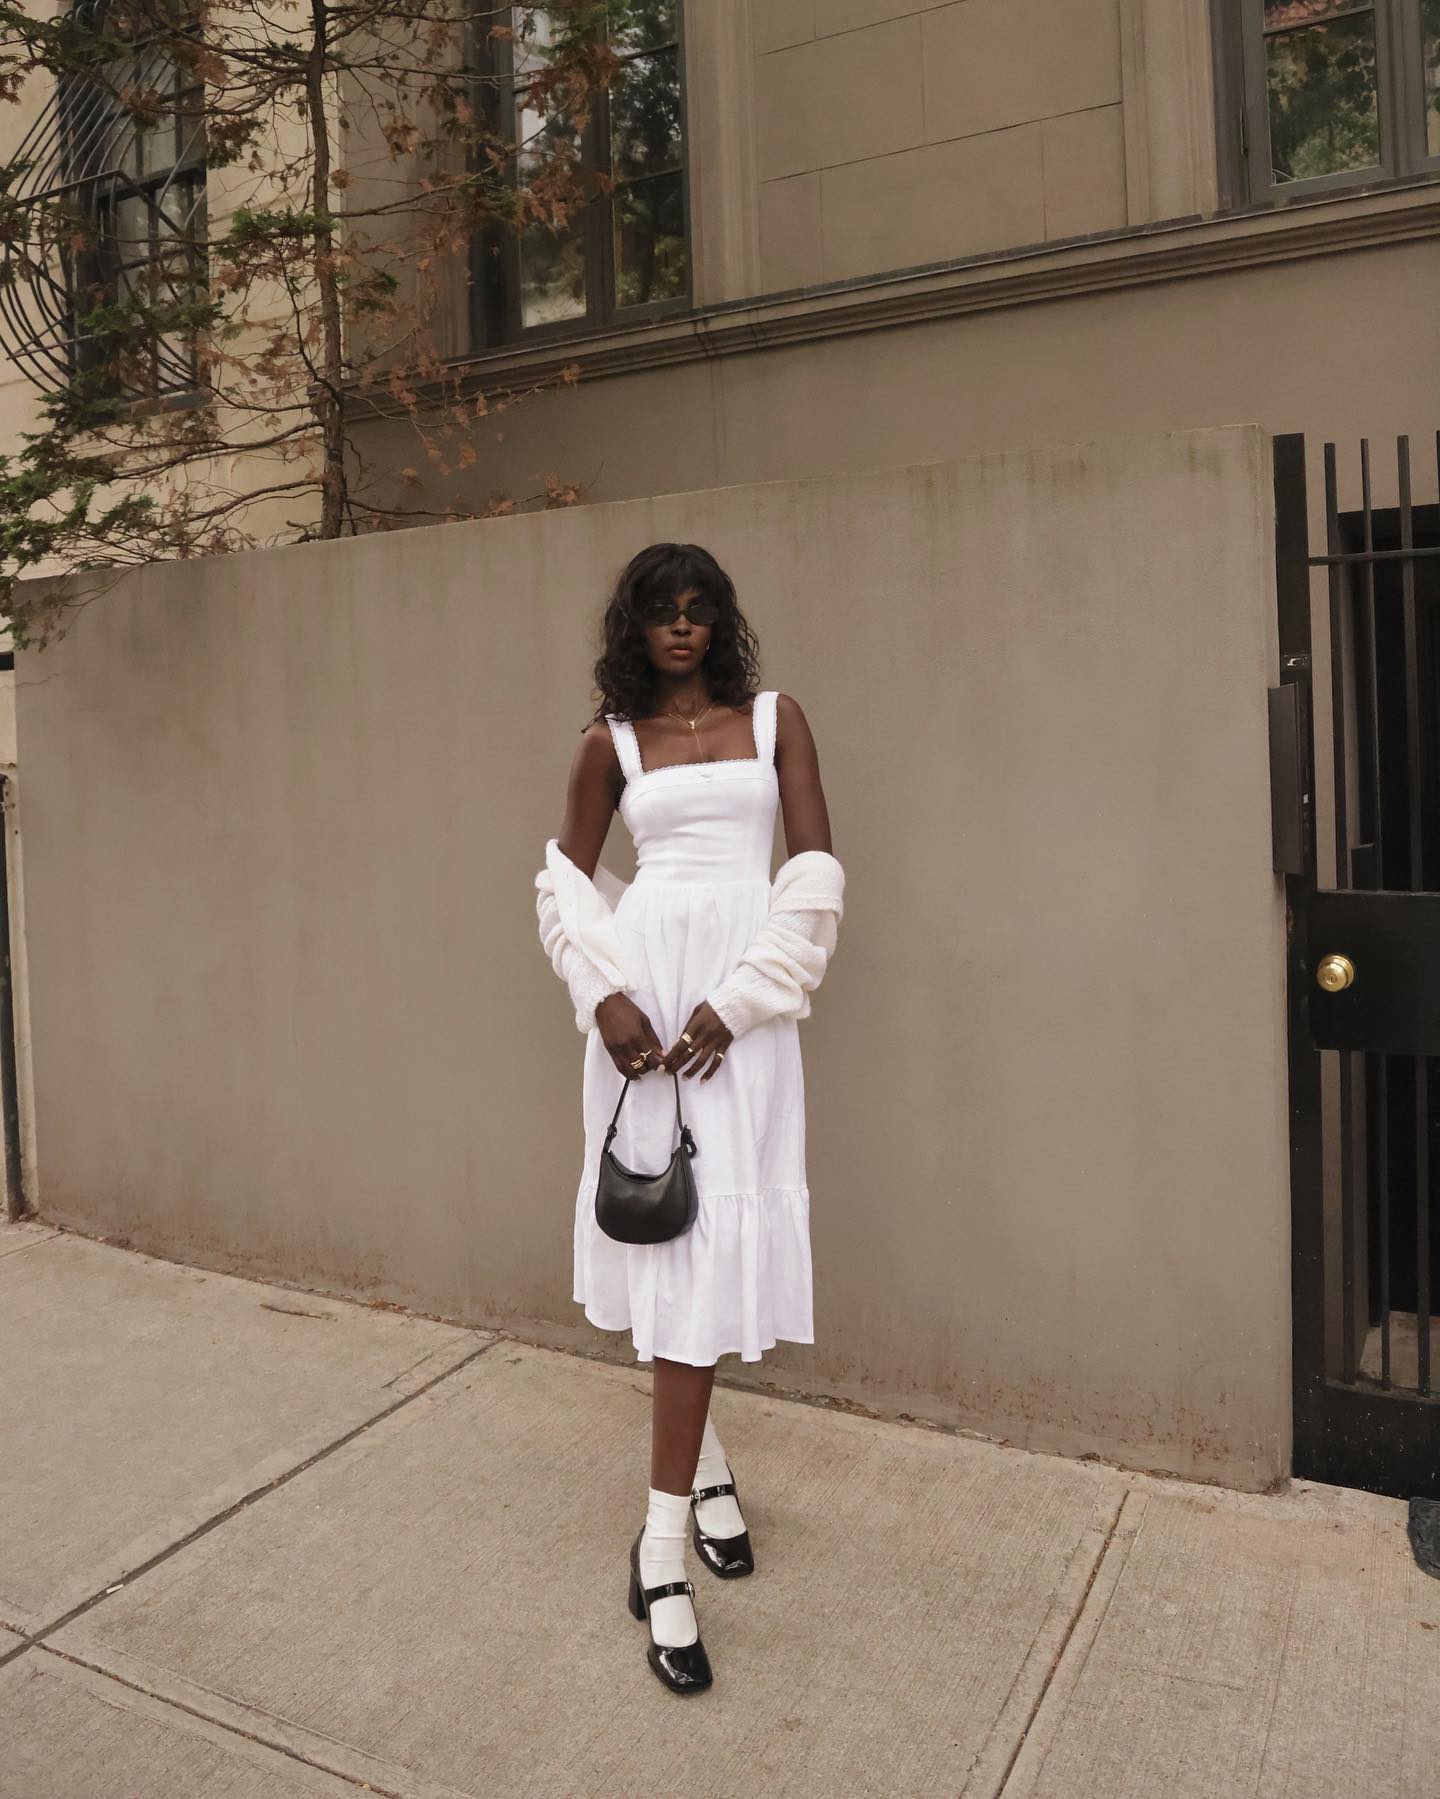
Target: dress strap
<point x="627" y="746"/>
<point x="763" y="722"/>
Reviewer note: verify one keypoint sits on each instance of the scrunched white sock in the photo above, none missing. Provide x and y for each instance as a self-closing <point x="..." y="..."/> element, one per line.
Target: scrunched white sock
<point x="662" y="1559"/>
<point x="716" y="1517"/>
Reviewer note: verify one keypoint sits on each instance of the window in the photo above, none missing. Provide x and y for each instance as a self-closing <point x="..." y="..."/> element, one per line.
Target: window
<point x="133" y="154"/>
<point x="1330" y="94"/>
<point x="112" y="177"/>
<point x="622" y="256"/>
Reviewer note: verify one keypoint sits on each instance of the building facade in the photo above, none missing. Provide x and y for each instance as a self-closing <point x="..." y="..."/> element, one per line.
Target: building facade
<point x="966" y="332"/>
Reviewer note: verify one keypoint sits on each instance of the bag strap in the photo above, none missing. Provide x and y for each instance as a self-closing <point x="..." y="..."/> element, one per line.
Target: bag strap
<point x="687" y="1142"/>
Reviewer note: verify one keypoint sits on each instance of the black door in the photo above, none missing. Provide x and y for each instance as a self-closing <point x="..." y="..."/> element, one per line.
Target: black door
<point x="1364" y="965"/>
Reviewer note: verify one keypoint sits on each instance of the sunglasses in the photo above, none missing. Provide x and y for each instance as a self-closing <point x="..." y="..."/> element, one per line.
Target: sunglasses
<point x="665" y="612"/>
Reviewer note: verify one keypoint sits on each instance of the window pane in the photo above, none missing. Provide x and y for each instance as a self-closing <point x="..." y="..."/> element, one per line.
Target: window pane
<point x="543" y="135"/>
<point x="535" y="34"/>
<point x="645" y="116"/>
<point x="551" y="258"/>
<point x="1287" y="15"/>
<point x="650" y="257"/>
<point x="132" y="236"/>
<point x="190" y="125"/>
<point x="155" y="144"/>
<point x="178" y="258"/>
<point x="1430" y="24"/>
<point x="552" y="275"/>
<point x="106" y="135"/>
<point x="642" y="24"/>
<point x="1324" y="115"/>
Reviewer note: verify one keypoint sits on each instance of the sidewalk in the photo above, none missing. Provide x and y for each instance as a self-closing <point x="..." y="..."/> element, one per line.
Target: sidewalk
<point x="258" y="1543"/>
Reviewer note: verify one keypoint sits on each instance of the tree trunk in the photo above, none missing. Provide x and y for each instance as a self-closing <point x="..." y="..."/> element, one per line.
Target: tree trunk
<point x="330" y="404"/>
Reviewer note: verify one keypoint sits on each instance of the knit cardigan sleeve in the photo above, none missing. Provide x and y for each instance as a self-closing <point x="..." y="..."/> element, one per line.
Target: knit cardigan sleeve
<point x="787" y="959"/>
<point x="578" y="932"/>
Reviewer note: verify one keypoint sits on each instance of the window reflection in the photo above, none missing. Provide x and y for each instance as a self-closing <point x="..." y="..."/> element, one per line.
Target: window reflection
<point x="1321" y="78"/>
<point x="614" y="246"/>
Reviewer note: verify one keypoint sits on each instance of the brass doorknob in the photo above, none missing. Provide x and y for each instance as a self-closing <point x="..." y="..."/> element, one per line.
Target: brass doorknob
<point x="1335" y="973"/>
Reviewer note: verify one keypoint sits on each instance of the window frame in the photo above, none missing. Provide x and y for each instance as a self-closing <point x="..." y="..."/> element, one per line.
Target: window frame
<point x="495" y="317"/>
<point x="1243" y="108"/>
<point x="103" y="190"/>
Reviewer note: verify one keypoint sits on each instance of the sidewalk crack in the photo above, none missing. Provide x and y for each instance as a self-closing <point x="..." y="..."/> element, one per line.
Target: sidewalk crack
<point x="1067" y="1637"/>
<point x="246" y="1499"/>
<point x="172" y="1703"/>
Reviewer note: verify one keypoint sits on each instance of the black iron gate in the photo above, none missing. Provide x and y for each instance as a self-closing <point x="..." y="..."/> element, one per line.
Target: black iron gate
<point x="1364" y="965"/>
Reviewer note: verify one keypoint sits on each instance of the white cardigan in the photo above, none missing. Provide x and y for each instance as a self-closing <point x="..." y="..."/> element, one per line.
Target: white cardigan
<point x="578" y="931"/>
<point x="774" y="978"/>
<point x="787" y="959"/>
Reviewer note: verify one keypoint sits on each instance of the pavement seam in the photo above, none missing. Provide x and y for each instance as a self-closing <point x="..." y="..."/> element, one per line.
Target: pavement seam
<point x="366" y="1782"/>
<point x="16" y="1249"/>
<point x="227" y="1512"/>
<point x="1068" y="1637"/>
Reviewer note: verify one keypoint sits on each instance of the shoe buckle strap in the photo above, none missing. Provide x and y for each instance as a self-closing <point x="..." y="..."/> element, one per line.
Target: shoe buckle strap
<point x="713" y="1492"/>
<point x="674" y="1586"/>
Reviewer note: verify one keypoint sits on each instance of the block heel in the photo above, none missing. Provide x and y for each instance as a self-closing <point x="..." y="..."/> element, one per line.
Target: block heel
<point x="682" y="1670"/>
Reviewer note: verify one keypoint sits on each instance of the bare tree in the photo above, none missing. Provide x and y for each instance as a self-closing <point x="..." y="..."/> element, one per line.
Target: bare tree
<point x="237" y="231"/>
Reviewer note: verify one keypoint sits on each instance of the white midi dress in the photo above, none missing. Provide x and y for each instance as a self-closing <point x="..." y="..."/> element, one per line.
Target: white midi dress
<point x="740" y="1279"/>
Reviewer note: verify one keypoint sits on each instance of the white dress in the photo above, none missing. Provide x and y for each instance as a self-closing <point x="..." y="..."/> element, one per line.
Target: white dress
<point x="740" y="1279"/>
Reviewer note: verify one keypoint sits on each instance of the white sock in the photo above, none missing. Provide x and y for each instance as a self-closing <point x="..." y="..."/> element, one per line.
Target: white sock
<point x="716" y="1517"/>
<point x="662" y="1559"/>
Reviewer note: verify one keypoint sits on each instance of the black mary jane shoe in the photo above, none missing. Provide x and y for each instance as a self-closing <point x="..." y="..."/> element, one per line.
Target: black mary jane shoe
<point x="729" y="1557"/>
<point x="683" y="1670"/>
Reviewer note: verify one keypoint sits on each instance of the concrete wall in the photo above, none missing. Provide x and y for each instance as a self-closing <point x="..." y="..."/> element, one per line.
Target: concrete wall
<point x="282" y="815"/>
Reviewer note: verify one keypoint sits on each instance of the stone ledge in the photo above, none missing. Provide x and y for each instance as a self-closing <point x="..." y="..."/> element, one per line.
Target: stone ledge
<point x="1110" y="262"/>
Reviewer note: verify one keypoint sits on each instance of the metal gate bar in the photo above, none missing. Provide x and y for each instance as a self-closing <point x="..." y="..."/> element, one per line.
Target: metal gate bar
<point x="1357" y="1422"/>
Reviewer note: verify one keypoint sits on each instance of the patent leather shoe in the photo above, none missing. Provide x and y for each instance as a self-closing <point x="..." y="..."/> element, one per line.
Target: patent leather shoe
<point x="683" y="1670"/>
<point x="729" y="1557"/>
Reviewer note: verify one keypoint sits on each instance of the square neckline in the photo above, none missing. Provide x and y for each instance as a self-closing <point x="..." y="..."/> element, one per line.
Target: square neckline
<point x="758" y="759"/>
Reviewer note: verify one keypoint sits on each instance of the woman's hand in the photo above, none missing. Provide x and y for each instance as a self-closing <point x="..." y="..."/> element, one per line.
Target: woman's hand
<point x="709" y="1039"/>
<point x="627" y="1034"/>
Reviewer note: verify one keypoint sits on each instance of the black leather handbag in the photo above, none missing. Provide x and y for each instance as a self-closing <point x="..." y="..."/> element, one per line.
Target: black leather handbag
<point x="647" y="1208"/>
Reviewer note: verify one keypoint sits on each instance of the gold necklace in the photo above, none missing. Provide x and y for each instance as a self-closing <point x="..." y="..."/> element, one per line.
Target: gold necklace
<point x="692" y="722"/>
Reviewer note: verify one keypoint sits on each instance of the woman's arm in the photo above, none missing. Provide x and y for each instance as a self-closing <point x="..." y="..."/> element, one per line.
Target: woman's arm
<point x="797" y="766"/>
<point x="591" y="798"/>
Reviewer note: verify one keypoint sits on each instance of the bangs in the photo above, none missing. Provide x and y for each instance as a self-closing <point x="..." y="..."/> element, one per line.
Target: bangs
<point x="666" y="570"/>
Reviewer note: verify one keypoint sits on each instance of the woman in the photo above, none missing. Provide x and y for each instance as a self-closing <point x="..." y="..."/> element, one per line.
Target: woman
<point x="699" y="972"/>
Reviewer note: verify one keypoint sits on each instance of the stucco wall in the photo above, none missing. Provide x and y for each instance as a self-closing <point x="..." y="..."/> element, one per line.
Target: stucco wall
<point x="282" y="814"/>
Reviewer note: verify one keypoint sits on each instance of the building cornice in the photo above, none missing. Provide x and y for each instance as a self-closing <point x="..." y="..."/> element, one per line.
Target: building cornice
<point x="1136" y="257"/>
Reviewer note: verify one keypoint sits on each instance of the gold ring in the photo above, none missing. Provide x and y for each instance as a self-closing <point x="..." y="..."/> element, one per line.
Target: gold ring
<point x="719" y="1055"/>
<point x="639" y="1061"/>
<point x="685" y="1037"/>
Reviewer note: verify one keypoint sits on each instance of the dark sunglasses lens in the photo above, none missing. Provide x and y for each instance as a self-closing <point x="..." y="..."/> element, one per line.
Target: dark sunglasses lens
<point x="702" y="612"/>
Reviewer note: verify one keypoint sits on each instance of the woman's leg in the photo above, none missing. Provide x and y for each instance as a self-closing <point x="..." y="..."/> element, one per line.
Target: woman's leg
<point x="681" y="1402"/>
<point x="681" y="1405"/>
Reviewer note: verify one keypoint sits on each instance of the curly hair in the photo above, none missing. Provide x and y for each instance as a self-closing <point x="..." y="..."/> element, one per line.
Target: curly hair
<point x="624" y="673"/>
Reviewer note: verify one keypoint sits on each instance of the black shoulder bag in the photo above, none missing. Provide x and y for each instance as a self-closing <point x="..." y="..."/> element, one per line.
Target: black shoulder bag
<point x="647" y="1208"/>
